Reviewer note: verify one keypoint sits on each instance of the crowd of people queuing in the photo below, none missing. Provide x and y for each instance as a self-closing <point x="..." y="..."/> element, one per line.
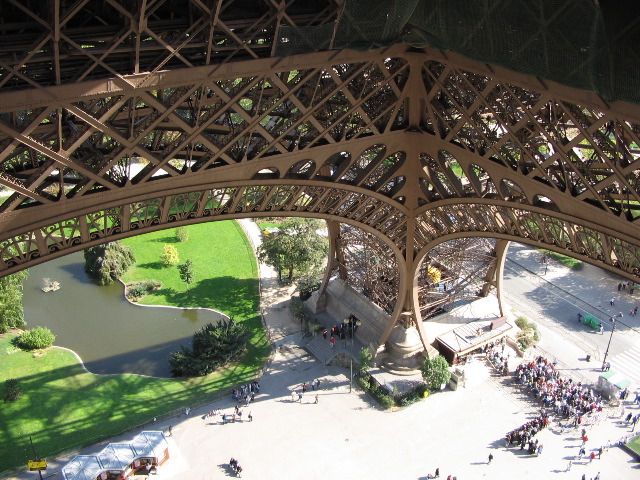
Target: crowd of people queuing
<point x="567" y="398"/>
<point x="523" y="436"/>
<point x="495" y="354"/>
<point x="246" y="393"/>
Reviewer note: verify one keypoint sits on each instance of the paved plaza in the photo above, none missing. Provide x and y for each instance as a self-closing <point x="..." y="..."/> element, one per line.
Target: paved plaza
<point x="345" y="435"/>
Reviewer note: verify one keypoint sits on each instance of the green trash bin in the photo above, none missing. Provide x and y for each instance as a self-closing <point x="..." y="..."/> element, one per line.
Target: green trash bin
<point x="592" y="321"/>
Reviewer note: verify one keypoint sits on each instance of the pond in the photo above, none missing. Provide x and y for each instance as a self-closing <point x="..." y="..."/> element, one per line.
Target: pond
<point x="111" y="335"/>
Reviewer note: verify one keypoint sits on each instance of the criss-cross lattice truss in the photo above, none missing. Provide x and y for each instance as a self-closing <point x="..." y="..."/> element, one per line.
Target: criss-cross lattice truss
<point x="115" y="123"/>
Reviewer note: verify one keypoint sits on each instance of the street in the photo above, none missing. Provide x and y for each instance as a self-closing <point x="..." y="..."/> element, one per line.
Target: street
<point x="555" y="306"/>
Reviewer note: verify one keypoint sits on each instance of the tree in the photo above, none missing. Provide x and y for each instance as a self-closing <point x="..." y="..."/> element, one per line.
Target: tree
<point x="435" y="372"/>
<point x="182" y="234"/>
<point x="307" y="284"/>
<point x="108" y="262"/>
<point x="364" y="360"/>
<point x="212" y="347"/>
<point x="170" y="255"/>
<point x="11" y="309"/>
<point x="296" y="248"/>
<point x="186" y="272"/>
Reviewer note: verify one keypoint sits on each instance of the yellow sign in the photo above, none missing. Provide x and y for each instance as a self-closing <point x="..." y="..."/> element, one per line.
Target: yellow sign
<point x="37" y="465"/>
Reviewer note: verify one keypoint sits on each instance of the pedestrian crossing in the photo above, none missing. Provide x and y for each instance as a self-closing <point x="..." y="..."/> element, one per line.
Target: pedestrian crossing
<point x="628" y="364"/>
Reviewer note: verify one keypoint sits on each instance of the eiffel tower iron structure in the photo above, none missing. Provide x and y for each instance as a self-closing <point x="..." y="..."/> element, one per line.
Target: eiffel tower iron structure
<point x="124" y="117"/>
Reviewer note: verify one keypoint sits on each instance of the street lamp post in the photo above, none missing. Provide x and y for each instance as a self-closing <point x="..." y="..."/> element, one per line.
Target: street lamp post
<point x="347" y="323"/>
<point x="604" y="361"/>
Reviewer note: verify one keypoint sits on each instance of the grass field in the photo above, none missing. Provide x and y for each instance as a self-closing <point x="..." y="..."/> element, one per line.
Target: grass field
<point x="570" y="262"/>
<point x="63" y="408"/>
<point x="634" y="445"/>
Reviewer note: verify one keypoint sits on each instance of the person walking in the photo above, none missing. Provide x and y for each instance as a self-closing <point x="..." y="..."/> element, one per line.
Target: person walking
<point x="170" y="431"/>
<point x="569" y="466"/>
<point x="332" y="342"/>
<point x="612" y="302"/>
<point x="250" y="416"/>
<point x="490" y="458"/>
<point x="316" y="401"/>
<point x="592" y="455"/>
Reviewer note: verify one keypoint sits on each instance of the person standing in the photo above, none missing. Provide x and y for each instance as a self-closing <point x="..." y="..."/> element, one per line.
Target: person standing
<point x="490" y="458"/>
<point x="332" y="342"/>
<point x="612" y="301"/>
<point x="569" y="466"/>
<point x="316" y="401"/>
<point x="170" y="431"/>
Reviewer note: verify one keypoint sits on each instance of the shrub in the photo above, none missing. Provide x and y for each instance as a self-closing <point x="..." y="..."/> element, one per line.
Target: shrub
<point x="528" y="335"/>
<point x="386" y="401"/>
<point x="522" y="322"/>
<point x="212" y="347"/>
<point x="182" y="234"/>
<point x="364" y="383"/>
<point x="12" y="390"/>
<point x="137" y="290"/>
<point x="435" y="372"/>
<point x="108" y="262"/>
<point x="153" y="285"/>
<point x="169" y="255"/>
<point x="418" y="393"/>
<point x="364" y="360"/>
<point x="39" y="337"/>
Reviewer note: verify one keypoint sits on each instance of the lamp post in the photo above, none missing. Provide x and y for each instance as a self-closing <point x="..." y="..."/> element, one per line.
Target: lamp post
<point x="604" y="361"/>
<point x="355" y="324"/>
<point x="345" y="323"/>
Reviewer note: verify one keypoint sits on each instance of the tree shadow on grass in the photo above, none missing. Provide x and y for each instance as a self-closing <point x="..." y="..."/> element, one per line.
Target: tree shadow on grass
<point x="171" y="239"/>
<point x="237" y="297"/>
<point x="153" y="265"/>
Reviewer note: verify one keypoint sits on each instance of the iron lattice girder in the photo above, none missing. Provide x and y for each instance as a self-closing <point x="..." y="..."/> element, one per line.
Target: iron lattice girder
<point x="413" y="135"/>
<point x="52" y="43"/>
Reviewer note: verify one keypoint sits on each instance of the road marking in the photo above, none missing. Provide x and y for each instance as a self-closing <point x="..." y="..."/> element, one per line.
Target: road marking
<point x="628" y="364"/>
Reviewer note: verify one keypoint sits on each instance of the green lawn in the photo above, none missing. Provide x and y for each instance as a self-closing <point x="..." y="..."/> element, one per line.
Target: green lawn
<point x="565" y="260"/>
<point x="64" y="408"/>
<point x="634" y="445"/>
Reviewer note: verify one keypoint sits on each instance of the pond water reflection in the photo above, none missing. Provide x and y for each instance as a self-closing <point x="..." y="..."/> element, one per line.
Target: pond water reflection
<point x="107" y="332"/>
